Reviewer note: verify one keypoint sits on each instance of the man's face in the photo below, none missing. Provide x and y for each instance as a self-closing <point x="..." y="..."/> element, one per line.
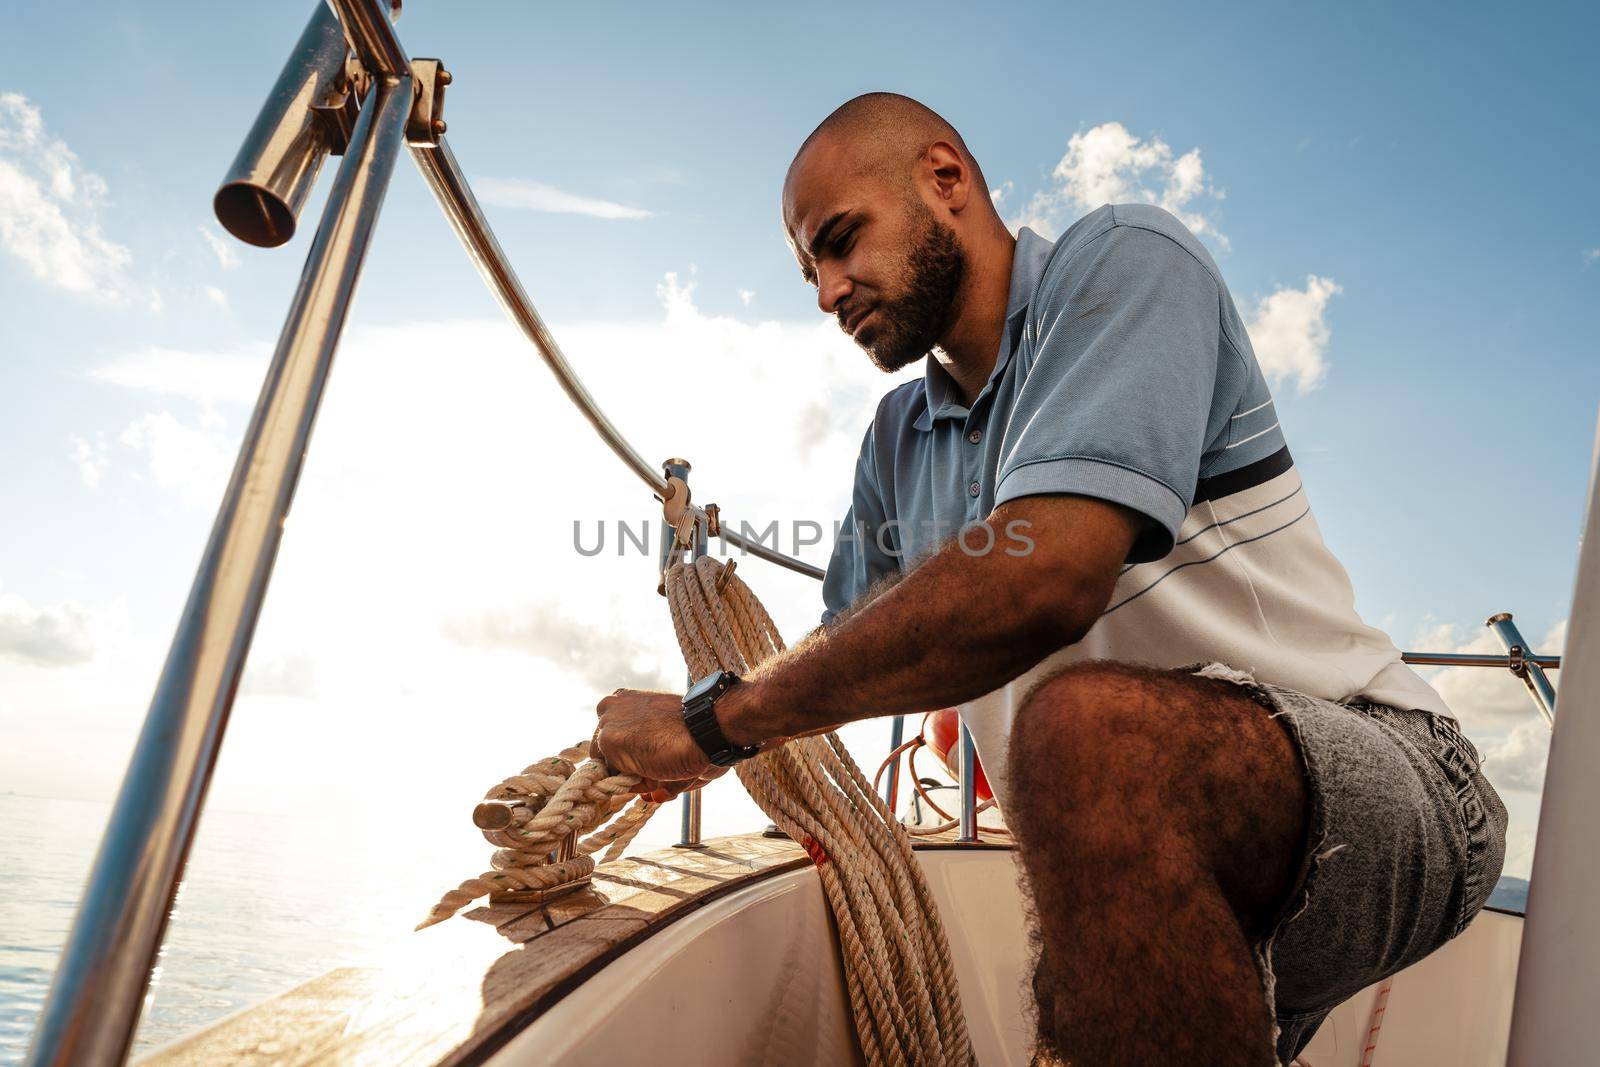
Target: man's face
<point x="882" y="263"/>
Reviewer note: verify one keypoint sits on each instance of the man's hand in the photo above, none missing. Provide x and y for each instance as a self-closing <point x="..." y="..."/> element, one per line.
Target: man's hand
<point x="643" y="733"/>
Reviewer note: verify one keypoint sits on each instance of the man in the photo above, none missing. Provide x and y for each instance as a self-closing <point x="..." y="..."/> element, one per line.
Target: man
<point x="1235" y="806"/>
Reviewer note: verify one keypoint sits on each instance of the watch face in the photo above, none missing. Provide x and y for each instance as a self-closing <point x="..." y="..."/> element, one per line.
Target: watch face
<point x="703" y="686"/>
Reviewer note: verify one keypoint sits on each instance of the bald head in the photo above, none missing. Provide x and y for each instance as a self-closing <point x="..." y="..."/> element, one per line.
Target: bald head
<point x="887" y="212"/>
<point x="883" y="135"/>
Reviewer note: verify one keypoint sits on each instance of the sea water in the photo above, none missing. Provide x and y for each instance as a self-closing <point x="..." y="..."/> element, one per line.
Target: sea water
<point x="269" y="900"/>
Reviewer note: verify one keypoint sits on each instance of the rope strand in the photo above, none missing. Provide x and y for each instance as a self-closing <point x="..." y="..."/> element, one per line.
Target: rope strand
<point x="898" y="972"/>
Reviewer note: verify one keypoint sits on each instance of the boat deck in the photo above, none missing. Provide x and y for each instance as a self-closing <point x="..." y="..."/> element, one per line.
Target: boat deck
<point x="456" y="992"/>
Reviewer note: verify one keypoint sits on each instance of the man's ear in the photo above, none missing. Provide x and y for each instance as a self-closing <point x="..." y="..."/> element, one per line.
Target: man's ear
<point x="951" y="177"/>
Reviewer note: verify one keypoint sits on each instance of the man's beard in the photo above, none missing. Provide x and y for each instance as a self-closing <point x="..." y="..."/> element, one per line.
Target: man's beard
<point x="909" y="326"/>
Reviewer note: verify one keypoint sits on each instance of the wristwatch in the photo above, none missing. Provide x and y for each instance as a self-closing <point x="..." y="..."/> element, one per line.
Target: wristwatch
<point x="700" y="716"/>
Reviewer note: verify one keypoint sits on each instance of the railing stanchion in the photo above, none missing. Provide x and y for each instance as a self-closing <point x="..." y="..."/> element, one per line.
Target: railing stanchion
<point x="1524" y="664"/>
<point x="967" y="766"/>
<point x="691" y="803"/>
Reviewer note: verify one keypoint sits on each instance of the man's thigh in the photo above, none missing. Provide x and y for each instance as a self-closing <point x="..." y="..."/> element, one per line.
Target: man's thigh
<point x="1111" y="762"/>
<point x="1404" y="842"/>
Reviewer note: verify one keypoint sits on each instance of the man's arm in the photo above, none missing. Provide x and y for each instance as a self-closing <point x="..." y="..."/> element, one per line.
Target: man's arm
<point x="956" y="627"/>
<point x="1103" y="450"/>
<point x="879" y="587"/>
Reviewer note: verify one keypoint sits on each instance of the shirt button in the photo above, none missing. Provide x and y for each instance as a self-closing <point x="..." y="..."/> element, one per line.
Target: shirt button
<point x="975" y="436"/>
<point x="974" y="489"/>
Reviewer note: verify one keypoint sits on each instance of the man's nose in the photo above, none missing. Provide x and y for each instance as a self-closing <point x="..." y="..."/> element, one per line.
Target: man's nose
<point x="832" y="287"/>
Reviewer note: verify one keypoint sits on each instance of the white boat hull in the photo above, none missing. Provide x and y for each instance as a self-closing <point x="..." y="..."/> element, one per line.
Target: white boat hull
<point x="755" y="977"/>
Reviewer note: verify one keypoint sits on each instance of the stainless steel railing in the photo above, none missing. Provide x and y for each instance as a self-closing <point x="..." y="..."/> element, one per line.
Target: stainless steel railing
<point x="104" y="970"/>
<point x="439" y="166"/>
<point x="1522" y="662"/>
<point x="99" y="987"/>
<point x="1519" y="659"/>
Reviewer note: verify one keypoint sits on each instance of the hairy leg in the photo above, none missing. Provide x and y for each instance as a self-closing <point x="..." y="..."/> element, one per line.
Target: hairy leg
<point x="1160" y="819"/>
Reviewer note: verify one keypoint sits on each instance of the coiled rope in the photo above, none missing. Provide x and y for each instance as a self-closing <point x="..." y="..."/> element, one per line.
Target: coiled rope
<point x="900" y="979"/>
<point x="561" y="798"/>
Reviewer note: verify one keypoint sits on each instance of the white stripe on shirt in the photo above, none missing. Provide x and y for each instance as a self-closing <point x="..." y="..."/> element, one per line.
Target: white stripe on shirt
<point x="1252" y="437"/>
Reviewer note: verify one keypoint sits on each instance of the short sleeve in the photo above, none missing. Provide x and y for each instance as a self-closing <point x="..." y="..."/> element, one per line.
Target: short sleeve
<point x="1119" y="394"/>
<point x="860" y="556"/>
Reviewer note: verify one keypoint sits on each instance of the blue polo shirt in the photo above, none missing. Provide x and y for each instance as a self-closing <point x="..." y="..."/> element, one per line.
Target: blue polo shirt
<point x="1125" y="374"/>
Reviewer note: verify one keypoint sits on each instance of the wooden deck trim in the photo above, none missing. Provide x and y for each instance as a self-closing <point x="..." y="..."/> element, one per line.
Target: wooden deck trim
<point x="457" y="992"/>
<point x="488" y="1044"/>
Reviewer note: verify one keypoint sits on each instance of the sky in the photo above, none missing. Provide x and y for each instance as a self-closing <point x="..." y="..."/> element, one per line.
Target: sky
<point x="1400" y="198"/>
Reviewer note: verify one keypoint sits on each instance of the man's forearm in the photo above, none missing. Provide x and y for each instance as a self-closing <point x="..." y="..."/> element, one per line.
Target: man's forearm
<point x="956" y="627"/>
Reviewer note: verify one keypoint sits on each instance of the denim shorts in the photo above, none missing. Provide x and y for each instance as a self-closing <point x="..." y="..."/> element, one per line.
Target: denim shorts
<point x="1404" y="843"/>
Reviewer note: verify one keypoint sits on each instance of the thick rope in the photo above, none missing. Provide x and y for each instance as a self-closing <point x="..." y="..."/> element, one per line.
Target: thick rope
<point x="552" y="800"/>
<point x="898" y="973"/>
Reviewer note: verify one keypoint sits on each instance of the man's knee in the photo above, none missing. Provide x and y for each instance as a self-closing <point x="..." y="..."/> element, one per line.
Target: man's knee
<point x="1068" y="727"/>
<point x="1128" y="743"/>
<point x="1115" y="763"/>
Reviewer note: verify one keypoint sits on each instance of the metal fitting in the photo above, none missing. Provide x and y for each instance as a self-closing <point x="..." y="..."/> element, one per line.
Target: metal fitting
<point x="426" y="123"/>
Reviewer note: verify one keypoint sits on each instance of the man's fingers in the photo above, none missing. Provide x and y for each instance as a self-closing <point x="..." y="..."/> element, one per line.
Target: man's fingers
<point x="663" y="791"/>
<point x="710" y="774"/>
<point x="606" y="701"/>
<point x="659" y="792"/>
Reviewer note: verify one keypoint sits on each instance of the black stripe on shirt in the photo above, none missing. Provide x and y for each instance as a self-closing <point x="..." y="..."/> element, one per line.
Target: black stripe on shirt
<point x="1247" y="477"/>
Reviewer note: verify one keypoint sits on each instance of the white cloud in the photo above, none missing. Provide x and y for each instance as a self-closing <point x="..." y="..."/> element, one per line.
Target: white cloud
<point x="188" y="457"/>
<point x="416" y="516"/>
<point x="57" y="636"/>
<point x="190" y="461"/>
<point x="50" y="208"/>
<point x="278" y="675"/>
<point x="1591" y="256"/>
<point x="215" y="295"/>
<point x="1289" y="332"/>
<point x="814" y="425"/>
<point x="746" y="296"/>
<point x="537" y="196"/>
<point x="207" y="378"/>
<point x="1109" y="165"/>
<point x="1517" y="761"/>
<point x="605" y="657"/>
<point x="227" y="255"/>
<point x="91" y="459"/>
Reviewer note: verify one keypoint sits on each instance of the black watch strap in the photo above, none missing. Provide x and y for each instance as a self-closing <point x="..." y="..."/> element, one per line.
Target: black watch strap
<point x="700" y="716"/>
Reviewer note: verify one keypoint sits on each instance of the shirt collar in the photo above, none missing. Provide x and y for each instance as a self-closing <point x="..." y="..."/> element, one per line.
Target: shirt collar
<point x="941" y="394"/>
